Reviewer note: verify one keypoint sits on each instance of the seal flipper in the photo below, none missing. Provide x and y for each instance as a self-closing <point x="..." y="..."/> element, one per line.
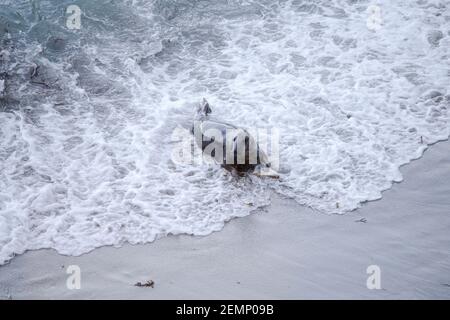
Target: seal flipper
<point x="264" y="171"/>
<point x="206" y="109"/>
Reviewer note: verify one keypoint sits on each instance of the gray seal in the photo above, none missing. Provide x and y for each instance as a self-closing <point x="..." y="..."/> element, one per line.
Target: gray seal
<point x="234" y="148"/>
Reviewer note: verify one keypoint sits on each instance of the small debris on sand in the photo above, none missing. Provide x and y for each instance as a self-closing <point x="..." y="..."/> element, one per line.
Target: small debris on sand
<point x="149" y="283"/>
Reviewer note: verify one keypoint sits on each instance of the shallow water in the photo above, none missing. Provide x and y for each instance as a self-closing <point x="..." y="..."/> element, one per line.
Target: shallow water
<point x="87" y="116"/>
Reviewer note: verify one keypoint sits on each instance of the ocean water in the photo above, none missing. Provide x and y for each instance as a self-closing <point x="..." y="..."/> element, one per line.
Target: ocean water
<point x="87" y="116"/>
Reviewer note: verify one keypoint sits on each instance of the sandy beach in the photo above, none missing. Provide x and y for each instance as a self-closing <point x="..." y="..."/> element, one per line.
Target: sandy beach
<point x="284" y="251"/>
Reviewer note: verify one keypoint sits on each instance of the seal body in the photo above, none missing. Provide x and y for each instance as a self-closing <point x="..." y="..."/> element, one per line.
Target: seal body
<point x="232" y="147"/>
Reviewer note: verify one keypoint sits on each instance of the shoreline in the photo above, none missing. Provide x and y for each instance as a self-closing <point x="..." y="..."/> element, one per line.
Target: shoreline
<point x="282" y="251"/>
